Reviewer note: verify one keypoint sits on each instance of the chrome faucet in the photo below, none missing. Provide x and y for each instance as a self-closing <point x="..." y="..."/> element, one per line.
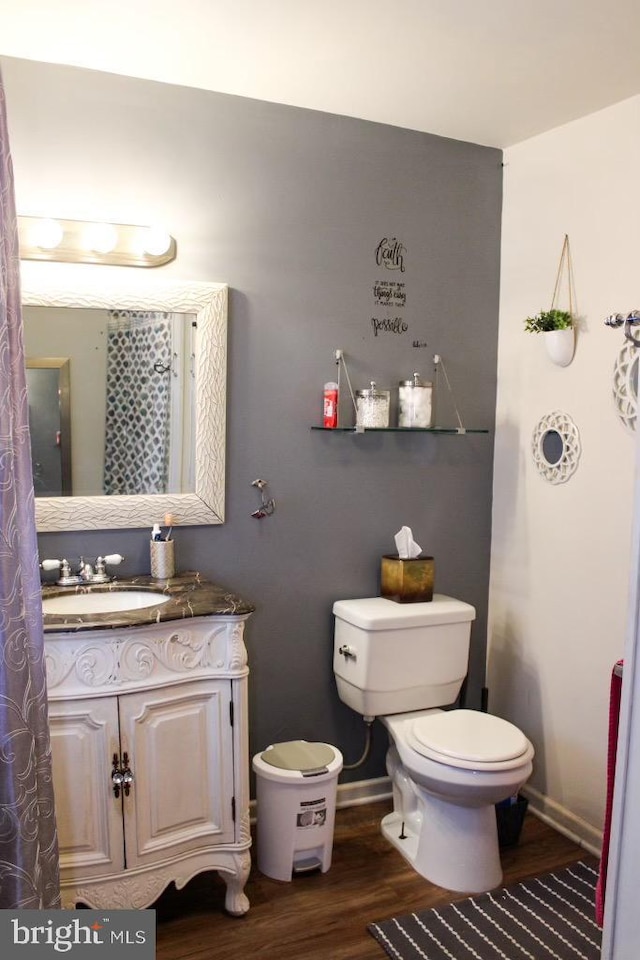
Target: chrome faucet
<point x="86" y="572"/>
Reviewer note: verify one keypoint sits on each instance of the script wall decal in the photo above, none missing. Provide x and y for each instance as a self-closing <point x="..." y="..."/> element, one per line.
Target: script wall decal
<point x="390" y="295"/>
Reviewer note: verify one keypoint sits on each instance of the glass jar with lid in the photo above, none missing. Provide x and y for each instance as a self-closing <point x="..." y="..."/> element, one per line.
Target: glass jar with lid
<point x="372" y="407"/>
<point x="415" y="406"/>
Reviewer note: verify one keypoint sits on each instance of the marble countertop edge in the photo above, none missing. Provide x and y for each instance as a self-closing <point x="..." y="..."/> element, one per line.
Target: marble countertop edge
<point x="190" y="596"/>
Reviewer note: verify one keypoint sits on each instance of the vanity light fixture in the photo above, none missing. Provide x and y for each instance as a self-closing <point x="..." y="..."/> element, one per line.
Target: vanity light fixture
<point x="47" y="234"/>
<point x="101" y="238"/>
<point x="79" y="241"/>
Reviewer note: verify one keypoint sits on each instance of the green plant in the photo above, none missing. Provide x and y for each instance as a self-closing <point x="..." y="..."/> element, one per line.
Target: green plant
<point x="548" y="320"/>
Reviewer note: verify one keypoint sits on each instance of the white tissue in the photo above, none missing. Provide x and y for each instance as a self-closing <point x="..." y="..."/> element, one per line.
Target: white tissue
<point x="406" y="546"/>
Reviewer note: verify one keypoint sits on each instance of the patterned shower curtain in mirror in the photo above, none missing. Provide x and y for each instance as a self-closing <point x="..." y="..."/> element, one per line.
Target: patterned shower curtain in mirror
<point x="28" y="840"/>
<point x="139" y="355"/>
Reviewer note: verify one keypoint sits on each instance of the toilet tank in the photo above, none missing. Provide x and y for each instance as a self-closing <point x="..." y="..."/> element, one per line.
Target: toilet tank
<point x="392" y="657"/>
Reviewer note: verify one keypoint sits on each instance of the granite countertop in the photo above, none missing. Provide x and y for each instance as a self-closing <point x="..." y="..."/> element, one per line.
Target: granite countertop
<point x="191" y="596"/>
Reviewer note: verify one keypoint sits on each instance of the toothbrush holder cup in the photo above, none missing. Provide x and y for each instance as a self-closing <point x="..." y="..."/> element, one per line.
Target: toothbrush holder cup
<point x="163" y="559"/>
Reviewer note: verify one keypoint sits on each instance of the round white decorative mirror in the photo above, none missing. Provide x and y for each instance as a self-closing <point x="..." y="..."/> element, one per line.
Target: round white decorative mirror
<point x="625" y="384"/>
<point x="556" y="447"/>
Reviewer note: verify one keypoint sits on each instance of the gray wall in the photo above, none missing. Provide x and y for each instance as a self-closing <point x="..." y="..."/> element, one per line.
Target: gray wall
<point x="287" y="206"/>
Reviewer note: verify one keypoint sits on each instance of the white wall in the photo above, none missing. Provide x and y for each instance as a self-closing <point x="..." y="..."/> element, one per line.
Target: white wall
<point x="561" y="553"/>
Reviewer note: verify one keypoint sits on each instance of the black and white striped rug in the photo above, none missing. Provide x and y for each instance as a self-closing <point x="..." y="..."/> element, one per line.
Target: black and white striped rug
<point x="551" y="917"/>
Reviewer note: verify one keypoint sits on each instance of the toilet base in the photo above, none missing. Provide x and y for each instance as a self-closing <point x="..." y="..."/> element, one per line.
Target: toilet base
<point x="456" y="847"/>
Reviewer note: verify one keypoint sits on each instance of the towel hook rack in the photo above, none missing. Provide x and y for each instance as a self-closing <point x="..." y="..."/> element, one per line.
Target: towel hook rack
<point x="267" y="506"/>
<point x="631" y="320"/>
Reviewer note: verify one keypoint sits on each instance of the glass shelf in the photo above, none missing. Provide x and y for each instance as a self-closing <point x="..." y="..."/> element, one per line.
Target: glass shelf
<point x="450" y="430"/>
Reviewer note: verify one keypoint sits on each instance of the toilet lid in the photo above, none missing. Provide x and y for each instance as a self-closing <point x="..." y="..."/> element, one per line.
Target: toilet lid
<point x="468" y="738"/>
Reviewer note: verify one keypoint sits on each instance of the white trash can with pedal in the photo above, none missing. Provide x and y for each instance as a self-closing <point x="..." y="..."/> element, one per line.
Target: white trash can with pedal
<point x="296" y="787"/>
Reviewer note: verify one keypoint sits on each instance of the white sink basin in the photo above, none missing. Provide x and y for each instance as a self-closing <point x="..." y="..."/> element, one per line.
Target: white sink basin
<point x="103" y="602"/>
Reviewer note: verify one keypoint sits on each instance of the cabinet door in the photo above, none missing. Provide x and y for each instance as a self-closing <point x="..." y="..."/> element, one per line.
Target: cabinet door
<point x="179" y="745"/>
<point x="84" y="738"/>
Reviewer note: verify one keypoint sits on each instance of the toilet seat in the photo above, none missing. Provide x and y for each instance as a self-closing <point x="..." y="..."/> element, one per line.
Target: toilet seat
<point x="468" y="739"/>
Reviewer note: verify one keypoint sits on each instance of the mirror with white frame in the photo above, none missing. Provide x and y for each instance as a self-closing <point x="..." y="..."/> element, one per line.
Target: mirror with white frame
<point x="556" y="447"/>
<point x="625" y="384"/>
<point x="206" y="306"/>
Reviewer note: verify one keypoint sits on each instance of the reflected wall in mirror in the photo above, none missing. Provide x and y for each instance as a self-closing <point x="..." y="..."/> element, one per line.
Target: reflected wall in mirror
<point x="552" y="447"/>
<point x="162" y="332"/>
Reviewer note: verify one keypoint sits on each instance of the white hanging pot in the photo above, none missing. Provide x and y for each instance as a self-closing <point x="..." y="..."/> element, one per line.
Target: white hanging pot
<point x="560" y="345"/>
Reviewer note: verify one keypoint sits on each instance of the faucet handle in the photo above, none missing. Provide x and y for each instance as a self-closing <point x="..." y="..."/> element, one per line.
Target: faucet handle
<point x="100" y="573"/>
<point x="61" y="565"/>
<point x="113" y="559"/>
<point x="66" y="578"/>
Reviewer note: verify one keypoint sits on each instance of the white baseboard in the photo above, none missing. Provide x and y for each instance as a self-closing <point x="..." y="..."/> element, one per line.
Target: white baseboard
<point x="363" y="791"/>
<point x="351" y="794"/>
<point x="541" y="806"/>
<point x="562" y="820"/>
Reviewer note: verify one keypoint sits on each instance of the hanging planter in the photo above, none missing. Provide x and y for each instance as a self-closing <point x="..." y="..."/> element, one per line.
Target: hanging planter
<point x="558" y="326"/>
<point x="560" y="345"/>
<point x="558" y="333"/>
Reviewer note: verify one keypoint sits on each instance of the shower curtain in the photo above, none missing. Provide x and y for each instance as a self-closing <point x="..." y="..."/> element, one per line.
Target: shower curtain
<point x="28" y="839"/>
<point x="138" y="420"/>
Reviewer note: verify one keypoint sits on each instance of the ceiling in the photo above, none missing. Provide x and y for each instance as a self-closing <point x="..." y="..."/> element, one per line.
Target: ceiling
<point x="494" y="72"/>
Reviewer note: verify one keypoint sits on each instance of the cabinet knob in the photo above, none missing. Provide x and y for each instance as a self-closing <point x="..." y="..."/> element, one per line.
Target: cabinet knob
<point x="121" y="775"/>
<point x="116" y="776"/>
<point x="127" y="775"/>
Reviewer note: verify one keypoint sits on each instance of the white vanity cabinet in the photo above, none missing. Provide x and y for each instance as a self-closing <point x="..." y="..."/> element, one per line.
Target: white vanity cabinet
<point x="149" y="741"/>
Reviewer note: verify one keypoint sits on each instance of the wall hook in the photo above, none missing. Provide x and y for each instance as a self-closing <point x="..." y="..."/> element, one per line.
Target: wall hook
<point x="267" y="506"/>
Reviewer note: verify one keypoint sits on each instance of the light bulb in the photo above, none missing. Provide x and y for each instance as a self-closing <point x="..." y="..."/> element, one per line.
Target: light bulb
<point x="47" y="234"/>
<point x="155" y="241"/>
<point x="101" y="237"/>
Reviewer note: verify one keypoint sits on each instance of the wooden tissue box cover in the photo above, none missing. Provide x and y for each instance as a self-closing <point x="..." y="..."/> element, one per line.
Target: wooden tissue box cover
<point x="407" y="581"/>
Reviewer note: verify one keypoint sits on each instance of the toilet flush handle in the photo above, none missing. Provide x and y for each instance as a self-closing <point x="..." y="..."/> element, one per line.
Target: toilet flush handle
<point x="347" y="652"/>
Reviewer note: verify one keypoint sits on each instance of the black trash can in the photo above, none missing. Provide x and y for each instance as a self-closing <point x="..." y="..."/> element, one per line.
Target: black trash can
<point x="509" y="819"/>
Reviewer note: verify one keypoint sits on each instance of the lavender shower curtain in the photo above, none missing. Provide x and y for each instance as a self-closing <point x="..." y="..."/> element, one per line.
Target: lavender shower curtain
<point x="28" y="839"/>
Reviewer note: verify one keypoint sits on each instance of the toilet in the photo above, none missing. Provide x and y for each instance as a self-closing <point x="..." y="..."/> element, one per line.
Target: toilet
<point x="403" y="663"/>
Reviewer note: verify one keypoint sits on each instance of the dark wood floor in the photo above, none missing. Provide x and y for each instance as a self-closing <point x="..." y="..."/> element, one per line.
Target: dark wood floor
<point x="325" y="916"/>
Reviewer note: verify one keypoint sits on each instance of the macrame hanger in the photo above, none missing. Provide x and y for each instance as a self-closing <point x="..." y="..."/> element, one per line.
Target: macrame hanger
<point x="565" y="262"/>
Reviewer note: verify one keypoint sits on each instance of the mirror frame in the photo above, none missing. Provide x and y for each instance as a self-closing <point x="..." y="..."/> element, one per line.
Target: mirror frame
<point x="564" y="468"/>
<point x="625" y="385"/>
<point x="208" y="301"/>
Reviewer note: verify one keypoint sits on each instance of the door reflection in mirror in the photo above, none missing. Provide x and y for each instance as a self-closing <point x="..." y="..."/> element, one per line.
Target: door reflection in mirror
<point x="49" y="425"/>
